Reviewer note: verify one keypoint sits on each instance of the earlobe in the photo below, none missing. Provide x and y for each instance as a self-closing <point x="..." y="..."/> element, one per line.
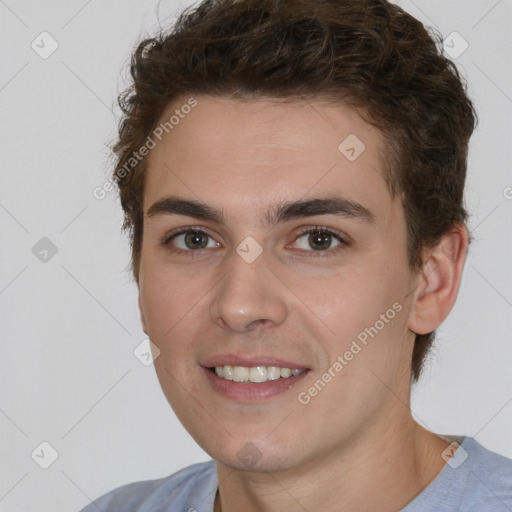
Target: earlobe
<point x="439" y="282"/>
<point x="142" y="316"/>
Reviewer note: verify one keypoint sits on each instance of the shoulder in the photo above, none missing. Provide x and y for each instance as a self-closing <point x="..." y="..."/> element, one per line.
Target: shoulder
<point x="193" y="487"/>
<point x="489" y="479"/>
<point x="474" y="479"/>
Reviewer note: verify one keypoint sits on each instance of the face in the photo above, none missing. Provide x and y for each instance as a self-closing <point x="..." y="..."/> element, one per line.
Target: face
<point x="272" y="247"/>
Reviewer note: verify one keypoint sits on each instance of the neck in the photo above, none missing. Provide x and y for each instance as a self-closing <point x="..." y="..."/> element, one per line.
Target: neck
<point x="380" y="471"/>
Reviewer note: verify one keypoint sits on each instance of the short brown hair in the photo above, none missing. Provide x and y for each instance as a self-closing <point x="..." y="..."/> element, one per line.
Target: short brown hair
<point x="369" y="54"/>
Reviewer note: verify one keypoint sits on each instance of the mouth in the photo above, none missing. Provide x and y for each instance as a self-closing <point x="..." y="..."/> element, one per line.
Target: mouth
<point x="255" y="381"/>
<point x="255" y="374"/>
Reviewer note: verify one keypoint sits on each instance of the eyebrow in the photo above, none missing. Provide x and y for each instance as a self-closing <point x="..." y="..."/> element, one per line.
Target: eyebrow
<point x="333" y="205"/>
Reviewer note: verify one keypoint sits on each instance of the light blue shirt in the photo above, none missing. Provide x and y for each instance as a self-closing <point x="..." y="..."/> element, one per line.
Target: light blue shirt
<point x="475" y="480"/>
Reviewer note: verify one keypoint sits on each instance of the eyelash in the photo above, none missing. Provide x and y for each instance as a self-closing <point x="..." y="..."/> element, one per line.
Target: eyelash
<point x="315" y="254"/>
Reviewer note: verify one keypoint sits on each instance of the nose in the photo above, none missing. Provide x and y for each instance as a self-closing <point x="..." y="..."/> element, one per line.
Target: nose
<point x="249" y="296"/>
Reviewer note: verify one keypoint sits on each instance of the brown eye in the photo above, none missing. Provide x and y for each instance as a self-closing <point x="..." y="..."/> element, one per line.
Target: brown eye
<point x="320" y="240"/>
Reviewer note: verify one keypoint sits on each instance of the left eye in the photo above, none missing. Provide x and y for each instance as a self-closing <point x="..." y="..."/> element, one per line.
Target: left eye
<point x="319" y="240"/>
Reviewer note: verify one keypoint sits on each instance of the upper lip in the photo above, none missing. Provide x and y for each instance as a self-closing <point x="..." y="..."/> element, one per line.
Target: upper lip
<point x="232" y="360"/>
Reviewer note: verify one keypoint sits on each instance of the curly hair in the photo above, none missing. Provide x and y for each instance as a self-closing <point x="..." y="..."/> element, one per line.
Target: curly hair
<point x="369" y="54"/>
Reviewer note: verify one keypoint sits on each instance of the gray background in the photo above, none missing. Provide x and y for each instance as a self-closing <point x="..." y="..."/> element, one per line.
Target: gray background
<point x="68" y="375"/>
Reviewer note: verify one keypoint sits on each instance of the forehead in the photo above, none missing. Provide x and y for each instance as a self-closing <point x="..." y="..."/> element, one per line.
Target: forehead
<point x="242" y="156"/>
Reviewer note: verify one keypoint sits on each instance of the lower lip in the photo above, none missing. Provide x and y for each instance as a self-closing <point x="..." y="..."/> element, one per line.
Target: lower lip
<point x="252" y="391"/>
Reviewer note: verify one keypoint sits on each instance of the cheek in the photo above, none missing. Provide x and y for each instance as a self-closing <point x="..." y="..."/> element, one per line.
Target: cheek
<point x="171" y="307"/>
<point x="358" y="306"/>
<point x="169" y="299"/>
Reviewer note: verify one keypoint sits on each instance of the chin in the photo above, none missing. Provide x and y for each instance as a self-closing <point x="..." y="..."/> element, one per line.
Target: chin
<point x="254" y="456"/>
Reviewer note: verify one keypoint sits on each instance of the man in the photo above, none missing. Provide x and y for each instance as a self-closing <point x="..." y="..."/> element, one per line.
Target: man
<point x="292" y="177"/>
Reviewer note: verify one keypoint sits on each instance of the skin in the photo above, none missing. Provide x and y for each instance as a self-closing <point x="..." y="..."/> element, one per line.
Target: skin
<point x="354" y="446"/>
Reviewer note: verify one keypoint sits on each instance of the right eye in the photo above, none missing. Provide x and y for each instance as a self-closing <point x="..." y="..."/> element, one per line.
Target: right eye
<point x="189" y="240"/>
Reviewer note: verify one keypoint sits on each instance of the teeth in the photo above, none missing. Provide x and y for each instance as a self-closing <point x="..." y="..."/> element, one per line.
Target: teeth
<point x="228" y="372"/>
<point x="240" y="373"/>
<point x="255" y="373"/>
<point x="273" y="372"/>
<point x="258" y="374"/>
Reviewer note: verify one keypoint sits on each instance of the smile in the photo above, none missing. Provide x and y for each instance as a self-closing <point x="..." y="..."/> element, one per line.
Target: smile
<point x="255" y="374"/>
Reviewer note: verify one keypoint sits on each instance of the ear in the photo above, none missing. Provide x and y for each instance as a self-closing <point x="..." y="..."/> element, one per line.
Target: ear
<point x="439" y="282"/>
<point x="142" y="316"/>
